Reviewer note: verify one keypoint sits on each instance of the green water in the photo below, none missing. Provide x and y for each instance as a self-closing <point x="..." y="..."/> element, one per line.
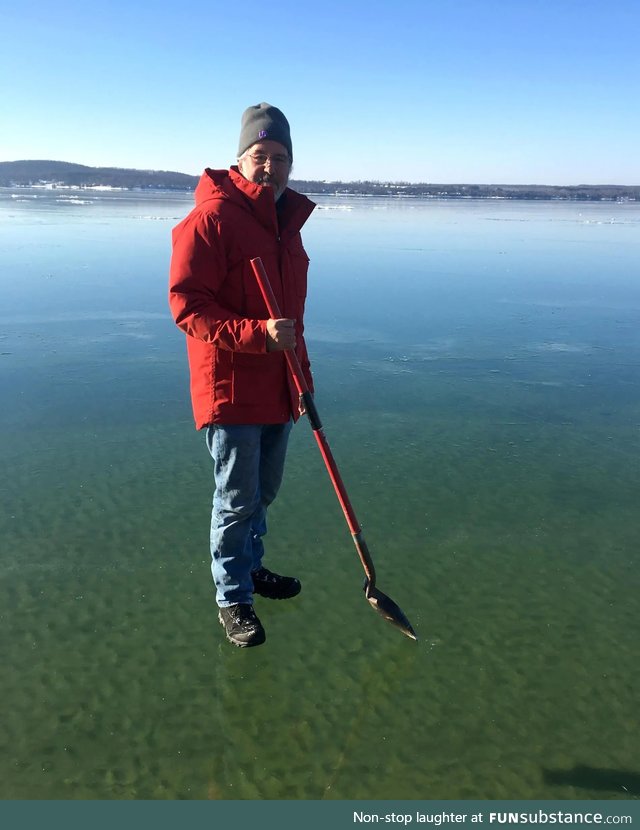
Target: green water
<point x="477" y="375"/>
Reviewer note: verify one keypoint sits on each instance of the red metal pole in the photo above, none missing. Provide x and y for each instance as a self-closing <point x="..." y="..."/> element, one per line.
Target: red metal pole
<point x="312" y="412"/>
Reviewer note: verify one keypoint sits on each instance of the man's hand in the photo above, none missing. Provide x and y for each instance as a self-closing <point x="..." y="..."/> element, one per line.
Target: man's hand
<point x="281" y="334"/>
<point x="302" y="409"/>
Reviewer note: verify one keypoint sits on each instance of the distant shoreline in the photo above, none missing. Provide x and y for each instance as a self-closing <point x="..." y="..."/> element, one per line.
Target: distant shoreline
<point x="585" y="194"/>
<point x="54" y="175"/>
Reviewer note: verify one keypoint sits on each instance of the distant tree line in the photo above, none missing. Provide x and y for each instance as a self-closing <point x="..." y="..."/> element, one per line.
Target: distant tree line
<point x="66" y="174"/>
<point x="471" y="191"/>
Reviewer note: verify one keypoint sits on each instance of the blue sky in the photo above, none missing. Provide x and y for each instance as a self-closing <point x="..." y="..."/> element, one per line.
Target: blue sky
<point x="511" y="91"/>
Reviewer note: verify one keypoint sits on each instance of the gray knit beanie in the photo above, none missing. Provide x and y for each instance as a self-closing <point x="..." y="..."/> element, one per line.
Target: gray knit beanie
<point x="264" y="123"/>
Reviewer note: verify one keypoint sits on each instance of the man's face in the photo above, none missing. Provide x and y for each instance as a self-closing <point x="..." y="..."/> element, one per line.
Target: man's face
<point x="268" y="163"/>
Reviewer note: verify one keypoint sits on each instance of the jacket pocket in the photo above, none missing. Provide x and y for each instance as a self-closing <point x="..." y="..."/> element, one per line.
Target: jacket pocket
<point x="253" y="380"/>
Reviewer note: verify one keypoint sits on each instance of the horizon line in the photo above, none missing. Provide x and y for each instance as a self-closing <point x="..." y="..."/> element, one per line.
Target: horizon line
<point x="325" y="181"/>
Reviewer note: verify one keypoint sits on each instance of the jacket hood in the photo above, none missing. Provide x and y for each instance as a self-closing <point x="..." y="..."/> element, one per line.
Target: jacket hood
<point x="231" y="184"/>
<point x="211" y="185"/>
<point x="216" y="184"/>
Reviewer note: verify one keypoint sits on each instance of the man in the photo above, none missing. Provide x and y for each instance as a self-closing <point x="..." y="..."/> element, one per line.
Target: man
<point x="241" y="391"/>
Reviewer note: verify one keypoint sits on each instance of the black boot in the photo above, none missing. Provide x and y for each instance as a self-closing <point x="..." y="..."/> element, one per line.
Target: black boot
<point x="274" y="586"/>
<point x="241" y="625"/>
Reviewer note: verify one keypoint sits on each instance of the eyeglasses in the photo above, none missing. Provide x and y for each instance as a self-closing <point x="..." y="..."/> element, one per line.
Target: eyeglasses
<point x="276" y="161"/>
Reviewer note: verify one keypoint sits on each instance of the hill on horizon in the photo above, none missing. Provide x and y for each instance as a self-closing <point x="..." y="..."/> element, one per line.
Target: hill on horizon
<point x="38" y="171"/>
<point x="44" y="172"/>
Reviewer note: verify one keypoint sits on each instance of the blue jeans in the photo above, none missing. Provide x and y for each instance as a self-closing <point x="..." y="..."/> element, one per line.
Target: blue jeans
<point x="248" y="463"/>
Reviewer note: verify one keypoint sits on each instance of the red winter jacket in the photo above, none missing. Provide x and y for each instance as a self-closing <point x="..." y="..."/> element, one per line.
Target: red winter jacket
<point x="215" y="299"/>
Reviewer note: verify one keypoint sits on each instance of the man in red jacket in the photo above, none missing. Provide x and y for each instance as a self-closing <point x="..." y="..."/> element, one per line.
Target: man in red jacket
<point x="241" y="391"/>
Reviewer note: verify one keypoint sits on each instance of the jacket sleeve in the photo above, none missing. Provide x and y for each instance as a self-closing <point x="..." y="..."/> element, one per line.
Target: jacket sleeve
<point x="198" y="270"/>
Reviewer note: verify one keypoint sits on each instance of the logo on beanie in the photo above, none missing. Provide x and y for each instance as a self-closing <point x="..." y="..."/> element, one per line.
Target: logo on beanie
<point x="262" y="134"/>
